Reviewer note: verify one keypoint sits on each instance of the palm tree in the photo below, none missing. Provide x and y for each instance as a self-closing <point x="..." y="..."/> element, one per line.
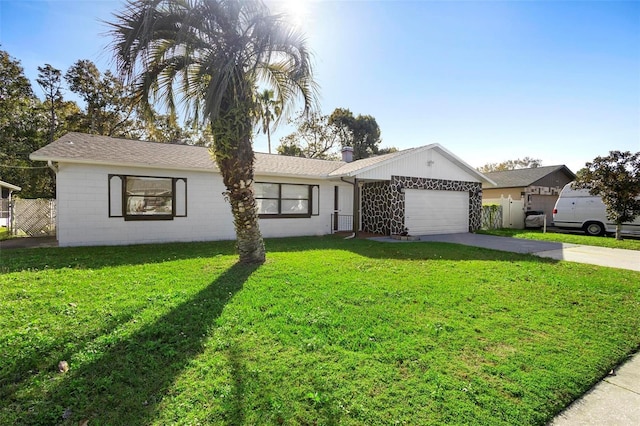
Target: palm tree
<point x="269" y="109"/>
<point x="213" y="53"/>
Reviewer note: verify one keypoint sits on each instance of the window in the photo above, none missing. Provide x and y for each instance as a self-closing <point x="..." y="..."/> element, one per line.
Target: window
<point x="147" y="198"/>
<point x="286" y="200"/>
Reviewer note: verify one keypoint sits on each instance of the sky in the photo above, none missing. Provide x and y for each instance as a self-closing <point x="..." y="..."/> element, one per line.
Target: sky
<point x="488" y="80"/>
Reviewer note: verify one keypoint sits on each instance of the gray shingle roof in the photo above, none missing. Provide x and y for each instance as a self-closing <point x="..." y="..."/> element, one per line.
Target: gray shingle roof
<point x="349" y="168"/>
<point x="94" y="149"/>
<point x="274" y="164"/>
<point x="522" y="177"/>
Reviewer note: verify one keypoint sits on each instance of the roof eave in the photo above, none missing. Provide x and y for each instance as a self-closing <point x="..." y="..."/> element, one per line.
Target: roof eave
<point x="118" y="164"/>
<point x="454" y="158"/>
<point x="356" y="172"/>
<point x="10" y="186"/>
<point x="291" y="175"/>
<point x="507" y="187"/>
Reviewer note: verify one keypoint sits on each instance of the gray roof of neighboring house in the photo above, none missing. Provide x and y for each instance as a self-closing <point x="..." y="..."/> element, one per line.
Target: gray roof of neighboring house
<point x="524" y="177"/>
<point x="95" y="149"/>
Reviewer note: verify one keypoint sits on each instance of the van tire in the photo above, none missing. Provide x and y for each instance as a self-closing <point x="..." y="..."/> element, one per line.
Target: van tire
<point x="595" y="229"/>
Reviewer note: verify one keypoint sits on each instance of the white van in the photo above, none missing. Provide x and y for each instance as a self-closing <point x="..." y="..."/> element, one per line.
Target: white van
<point x="577" y="209"/>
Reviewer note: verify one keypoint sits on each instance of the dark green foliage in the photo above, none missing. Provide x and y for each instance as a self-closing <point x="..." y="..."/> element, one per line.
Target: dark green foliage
<point x="109" y="104"/>
<point x="361" y="133"/>
<point x="313" y="138"/>
<point x="49" y="79"/>
<point x="23" y="129"/>
<point x="322" y="136"/>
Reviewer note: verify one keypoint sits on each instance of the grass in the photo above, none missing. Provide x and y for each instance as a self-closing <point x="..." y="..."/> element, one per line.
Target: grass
<point x="4" y="233"/>
<point x="328" y="331"/>
<point x="530" y="234"/>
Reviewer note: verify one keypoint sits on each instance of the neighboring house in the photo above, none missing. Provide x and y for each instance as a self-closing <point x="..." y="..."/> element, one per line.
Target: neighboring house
<point x="6" y="192"/>
<point x="538" y="187"/>
<point x="117" y="191"/>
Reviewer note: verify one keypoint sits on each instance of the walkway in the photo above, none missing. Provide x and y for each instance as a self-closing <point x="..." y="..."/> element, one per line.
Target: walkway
<point x="615" y="401"/>
<point x="601" y="256"/>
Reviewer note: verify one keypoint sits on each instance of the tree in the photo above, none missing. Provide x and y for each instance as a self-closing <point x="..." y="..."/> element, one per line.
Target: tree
<point x="269" y="110"/>
<point x="22" y="131"/>
<point x="616" y="179"/>
<point x="362" y="133"/>
<point x="166" y="128"/>
<point x="70" y="118"/>
<point x="110" y="106"/>
<point x="313" y="138"/>
<point x="321" y="136"/>
<point x="49" y="79"/>
<point x="214" y="53"/>
<point x="524" y="163"/>
<point x="163" y="128"/>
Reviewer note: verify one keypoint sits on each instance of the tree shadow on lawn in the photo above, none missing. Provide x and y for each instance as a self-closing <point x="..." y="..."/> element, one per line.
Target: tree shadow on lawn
<point x="126" y="383"/>
<point x="420" y="250"/>
<point x="107" y="256"/>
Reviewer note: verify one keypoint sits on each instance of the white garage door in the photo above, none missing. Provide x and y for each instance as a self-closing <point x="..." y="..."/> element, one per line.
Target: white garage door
<point x="436" y="212"/>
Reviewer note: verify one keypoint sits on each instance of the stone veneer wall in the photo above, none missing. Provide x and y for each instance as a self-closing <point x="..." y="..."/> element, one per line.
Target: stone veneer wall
<point x="376" y="207"/>
<point x="397" y="198"/>
<point x="383" y="203"/>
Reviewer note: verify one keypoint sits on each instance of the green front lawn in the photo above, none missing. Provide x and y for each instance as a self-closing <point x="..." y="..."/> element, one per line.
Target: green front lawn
<point x="328" y="331"/>
<point x="609" y="241"/>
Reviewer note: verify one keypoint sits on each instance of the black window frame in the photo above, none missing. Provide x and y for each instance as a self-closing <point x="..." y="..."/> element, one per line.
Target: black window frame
<point x="143" y="217"/>
<point x="280" y="215"/>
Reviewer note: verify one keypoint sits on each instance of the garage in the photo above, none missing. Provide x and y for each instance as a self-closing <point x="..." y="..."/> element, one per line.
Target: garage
<point x="436" y="212"/>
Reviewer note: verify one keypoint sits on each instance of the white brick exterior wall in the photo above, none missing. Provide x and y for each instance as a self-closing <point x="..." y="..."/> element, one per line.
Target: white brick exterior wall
<point x="83" y="210"/>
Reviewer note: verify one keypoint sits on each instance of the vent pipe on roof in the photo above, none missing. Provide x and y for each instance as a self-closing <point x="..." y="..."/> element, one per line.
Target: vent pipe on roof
<point x="347" y="154"/>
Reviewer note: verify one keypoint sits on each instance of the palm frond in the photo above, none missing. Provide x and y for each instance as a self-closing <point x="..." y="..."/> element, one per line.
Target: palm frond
<point x="212" y="52"/>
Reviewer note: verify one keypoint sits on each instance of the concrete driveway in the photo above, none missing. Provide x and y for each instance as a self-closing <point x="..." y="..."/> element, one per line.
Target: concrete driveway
<point x="602" y="256"/>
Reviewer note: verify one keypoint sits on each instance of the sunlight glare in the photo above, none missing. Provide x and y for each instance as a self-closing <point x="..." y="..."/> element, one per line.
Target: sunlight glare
<point x="297" y="10"/>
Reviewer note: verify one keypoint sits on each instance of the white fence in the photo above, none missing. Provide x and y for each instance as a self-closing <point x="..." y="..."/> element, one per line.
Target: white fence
<point x="4" y="213"/>
<point x="341" y="222"/>
<point x="512" y="211"/>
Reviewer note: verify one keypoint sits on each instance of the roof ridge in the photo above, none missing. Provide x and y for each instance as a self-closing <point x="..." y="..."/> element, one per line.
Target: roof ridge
<point x="526" y="169"/>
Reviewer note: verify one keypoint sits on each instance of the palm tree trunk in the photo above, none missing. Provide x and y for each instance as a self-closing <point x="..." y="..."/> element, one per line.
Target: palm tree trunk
<point x="234" y="157"/>
<point x="269" y="137"/>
